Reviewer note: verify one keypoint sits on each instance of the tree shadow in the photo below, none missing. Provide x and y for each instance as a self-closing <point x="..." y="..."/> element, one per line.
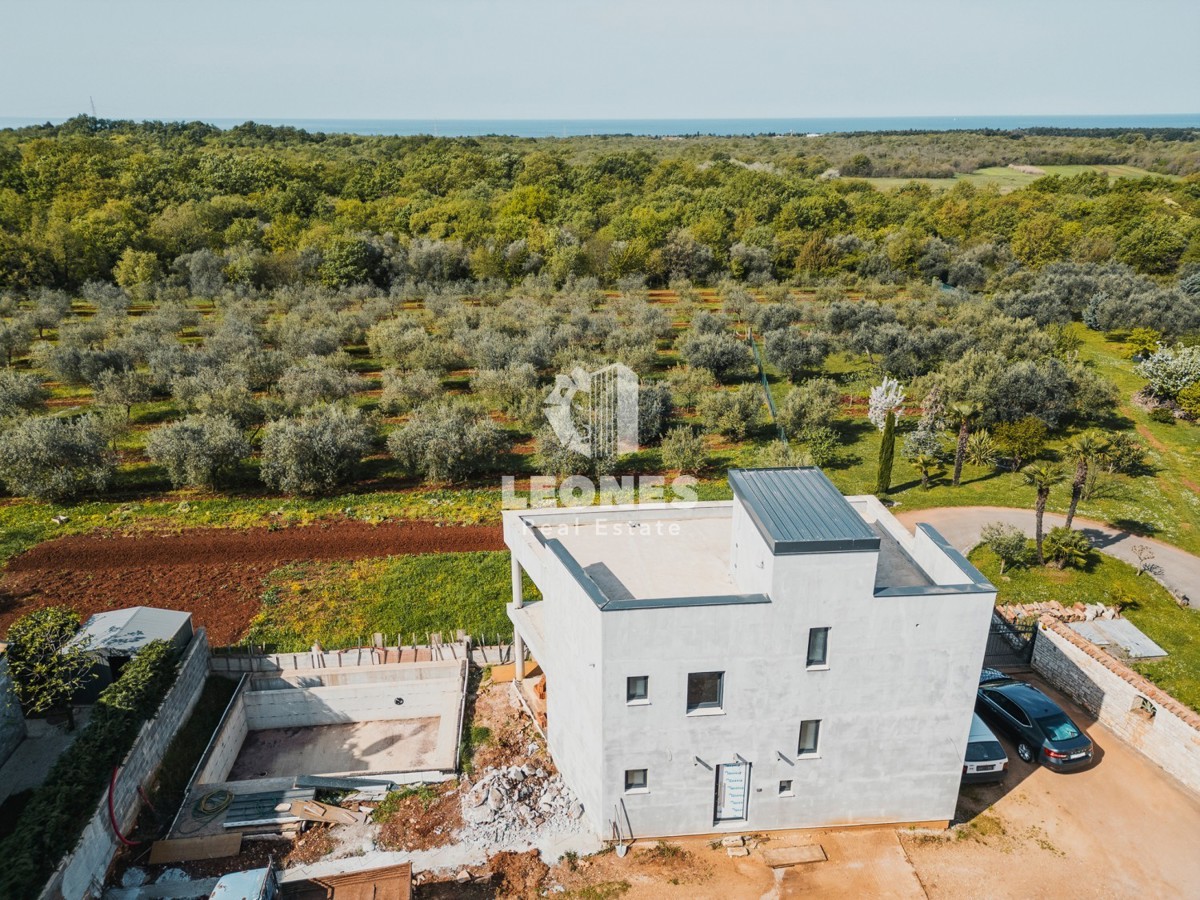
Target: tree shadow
<point x="1135" y="526"/>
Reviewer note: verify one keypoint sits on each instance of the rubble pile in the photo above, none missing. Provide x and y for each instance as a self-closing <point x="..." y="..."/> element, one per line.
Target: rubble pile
<point x="510" y="806"/>
<point x="1079" y="612"/>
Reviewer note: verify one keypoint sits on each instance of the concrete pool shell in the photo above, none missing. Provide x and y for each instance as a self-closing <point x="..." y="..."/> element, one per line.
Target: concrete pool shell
<point x="399" y="722"/>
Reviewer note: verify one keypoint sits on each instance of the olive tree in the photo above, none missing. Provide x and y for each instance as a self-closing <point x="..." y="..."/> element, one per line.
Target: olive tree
<point x="719" y="352"/>
<point x="55" y="459"/>
<point x="682" y="449"/>
<point x="315" y="452"/>
<point x="405" y="391"/>
<point x="20" y="392"/>
<point x="732" y="413"/>
<point x="313" y="381"/>
<point x="198" y="451"/>
<point x="813" y="404"/>
<point x="796" y="352"/>
<point x="123" y="390"/>
<point x="448" y="443"/>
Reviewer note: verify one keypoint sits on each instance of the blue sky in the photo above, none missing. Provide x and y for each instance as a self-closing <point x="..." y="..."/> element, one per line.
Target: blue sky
<point x="614" y="59"/>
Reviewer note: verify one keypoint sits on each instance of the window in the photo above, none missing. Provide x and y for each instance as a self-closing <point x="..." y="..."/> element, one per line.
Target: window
<point x="810" y="730"/>
<point x="704" y="690"/>
<point x="637" y="688"/>
<point x="785" y="788"/>
<point x="1014" y="711"/>
<point x="818" y="646"/>
<point x="635" y="780"/>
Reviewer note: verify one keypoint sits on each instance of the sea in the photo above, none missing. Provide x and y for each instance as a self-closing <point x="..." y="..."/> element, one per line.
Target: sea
<point x="563" y="128"/>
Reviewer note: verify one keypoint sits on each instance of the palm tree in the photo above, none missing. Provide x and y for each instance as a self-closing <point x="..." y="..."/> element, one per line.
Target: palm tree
<point x="1042" y="477"/>
<point x="927" y="465"/>
<point x="1084" y="449"/>
<point x="964" y="412"/>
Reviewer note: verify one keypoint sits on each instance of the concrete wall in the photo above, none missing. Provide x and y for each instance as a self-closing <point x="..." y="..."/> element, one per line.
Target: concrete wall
<point x="296" y="707"/>
<point x="81" y="874"/>
<point x="894" y="703"/>
<point x="568" y="647"/>
<point x="236" y="664"/>
<point x="1114" y="694"/>
<point x="12" y="723"/>
<point x="226" y="743"/>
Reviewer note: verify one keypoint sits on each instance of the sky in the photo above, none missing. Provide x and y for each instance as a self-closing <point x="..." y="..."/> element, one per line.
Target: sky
<point x="579" y="59"/>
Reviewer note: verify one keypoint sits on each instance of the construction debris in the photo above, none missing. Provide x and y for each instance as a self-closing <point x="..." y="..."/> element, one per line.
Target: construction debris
<point x="508" y="806"/>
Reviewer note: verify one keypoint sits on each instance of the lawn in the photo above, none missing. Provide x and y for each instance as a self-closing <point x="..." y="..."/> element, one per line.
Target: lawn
<point x="343" y="604"/>
<point x="1007" y="179"/>
<point x="1143" y="601"/>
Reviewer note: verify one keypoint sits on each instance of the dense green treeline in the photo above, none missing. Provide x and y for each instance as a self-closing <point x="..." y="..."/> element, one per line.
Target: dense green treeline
<point x="155" y="206"/>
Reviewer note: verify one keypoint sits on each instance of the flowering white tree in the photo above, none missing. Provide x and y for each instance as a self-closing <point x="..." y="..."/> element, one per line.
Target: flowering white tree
<point x="885" y="398"/>
<point x="884" y="407"/>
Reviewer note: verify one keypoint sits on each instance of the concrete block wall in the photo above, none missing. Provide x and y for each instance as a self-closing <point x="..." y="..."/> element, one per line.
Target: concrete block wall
<point x="223" y="750"/>
<point x="12" y="723"/>
<point x="81" y="873"/>
<point x="301" y="708"/>
<point x="1118" y="696"/>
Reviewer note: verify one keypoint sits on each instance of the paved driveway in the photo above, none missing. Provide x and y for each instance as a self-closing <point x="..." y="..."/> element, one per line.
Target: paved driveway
<point x="1178" y="570"/>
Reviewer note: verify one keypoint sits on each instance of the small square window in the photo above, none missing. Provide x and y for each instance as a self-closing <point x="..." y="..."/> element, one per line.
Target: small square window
<point x="818" y="646"/>
<point x="785" y="788"/>
<point x="637" y="688"/>
<point x="704" y="690"/>
<point x="635" y="780"/>
<point x="810" y="730"/>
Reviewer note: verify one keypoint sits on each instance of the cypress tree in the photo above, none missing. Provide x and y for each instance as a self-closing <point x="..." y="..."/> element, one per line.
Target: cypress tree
<point x="887" y="453"/>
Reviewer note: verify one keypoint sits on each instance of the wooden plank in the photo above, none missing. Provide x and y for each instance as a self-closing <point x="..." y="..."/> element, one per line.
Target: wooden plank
<point x="315" y="811"/>
<point x="197" y="848"/>
<point x="781" y="857"/>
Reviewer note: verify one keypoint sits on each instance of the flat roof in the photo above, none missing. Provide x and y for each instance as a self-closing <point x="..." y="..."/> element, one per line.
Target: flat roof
<point x="131" y="629"/>
<point x="628" y="554"/>
<point x="799" y="510"/>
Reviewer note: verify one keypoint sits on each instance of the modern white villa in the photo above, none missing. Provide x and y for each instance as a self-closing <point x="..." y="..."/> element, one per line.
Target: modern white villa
<point x="790" y="659"/>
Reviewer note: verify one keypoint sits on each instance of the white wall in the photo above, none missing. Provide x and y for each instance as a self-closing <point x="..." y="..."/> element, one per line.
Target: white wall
<point x="307" y="707"/>
<point x="895" y="703"/>
<point x="226" y="744"/>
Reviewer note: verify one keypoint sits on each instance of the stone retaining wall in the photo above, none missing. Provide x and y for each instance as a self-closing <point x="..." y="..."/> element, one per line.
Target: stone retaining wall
<point x="1143" y="715"/>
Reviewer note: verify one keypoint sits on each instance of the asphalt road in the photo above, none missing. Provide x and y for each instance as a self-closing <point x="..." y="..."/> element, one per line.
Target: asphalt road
<point x="1177" y="570"/>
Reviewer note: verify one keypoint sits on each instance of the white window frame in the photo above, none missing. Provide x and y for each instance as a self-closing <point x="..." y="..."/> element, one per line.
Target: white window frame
<point x="815" y="752"/>
<point x="631" y="700"/>
<point x="824" y="663"/>
<point x="634" y="789"/>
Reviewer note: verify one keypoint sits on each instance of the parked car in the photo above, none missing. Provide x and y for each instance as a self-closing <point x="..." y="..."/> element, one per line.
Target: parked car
<point x="985" y="758"/>
<point x="1042" y="731"/>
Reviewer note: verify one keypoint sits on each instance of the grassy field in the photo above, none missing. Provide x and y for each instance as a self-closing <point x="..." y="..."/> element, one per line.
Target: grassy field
<point x="1143" y="601"/>
<point x="343" y="604"/>
<point x="1007" y="179"/>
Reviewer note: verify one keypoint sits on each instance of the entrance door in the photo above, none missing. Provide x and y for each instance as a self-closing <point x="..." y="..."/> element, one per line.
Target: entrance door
<point x="733" y="787"/>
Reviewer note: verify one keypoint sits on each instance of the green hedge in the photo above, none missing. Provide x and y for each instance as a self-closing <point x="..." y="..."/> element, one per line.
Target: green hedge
<point x="52" y="821"/>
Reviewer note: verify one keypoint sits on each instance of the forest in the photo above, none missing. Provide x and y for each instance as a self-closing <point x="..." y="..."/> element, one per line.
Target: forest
<point x="265" y="312"/>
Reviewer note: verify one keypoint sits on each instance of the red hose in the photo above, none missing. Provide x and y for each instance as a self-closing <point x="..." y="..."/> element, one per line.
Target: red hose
<point x="112" y="813"/>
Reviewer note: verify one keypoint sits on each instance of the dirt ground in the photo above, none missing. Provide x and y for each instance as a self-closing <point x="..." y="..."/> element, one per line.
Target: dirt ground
<point x="214" y="573"/>
<point x="397" y="745"/>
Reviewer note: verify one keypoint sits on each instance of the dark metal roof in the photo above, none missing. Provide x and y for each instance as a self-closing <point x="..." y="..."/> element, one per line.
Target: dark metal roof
<point x="798" y="510"/>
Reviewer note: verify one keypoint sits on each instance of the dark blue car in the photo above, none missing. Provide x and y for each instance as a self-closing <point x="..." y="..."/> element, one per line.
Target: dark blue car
<point x="1041" y="730"/>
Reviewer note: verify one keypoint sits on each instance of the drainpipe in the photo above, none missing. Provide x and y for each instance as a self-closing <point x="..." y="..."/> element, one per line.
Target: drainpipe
<point x="518" y="593"/>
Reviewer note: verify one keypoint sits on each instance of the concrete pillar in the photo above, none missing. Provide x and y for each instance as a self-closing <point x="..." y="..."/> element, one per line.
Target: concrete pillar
<point x="518" y="592"/>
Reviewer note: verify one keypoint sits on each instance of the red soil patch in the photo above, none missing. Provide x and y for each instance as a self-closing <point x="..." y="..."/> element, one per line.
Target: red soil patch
<point x="214" y="573"/>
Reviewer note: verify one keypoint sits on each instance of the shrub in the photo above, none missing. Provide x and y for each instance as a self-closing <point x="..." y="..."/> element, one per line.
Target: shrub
<point x="316" y="452"/>
<point x="821" y="444"/>
<point x="448" y="443"/>
<point x="1162" y="415"/>
<point x="1066" y="547"/>
<point x="732" y="413"/>
<point x="1169" y="371"/>
<point x="55" y="459"/>
<point x="683" y="450"/>
<point x="198" y="451"/>
<point x="1188" y="400"/>
<point x="46" y="664"/>
<point x="1023" y="440"/>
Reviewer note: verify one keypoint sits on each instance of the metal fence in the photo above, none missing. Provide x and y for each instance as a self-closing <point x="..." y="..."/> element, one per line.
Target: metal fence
<point x="1009" y="645"/>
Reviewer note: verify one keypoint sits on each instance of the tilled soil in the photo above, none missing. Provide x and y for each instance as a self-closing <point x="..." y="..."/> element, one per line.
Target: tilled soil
<point x="214" y="573"/>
